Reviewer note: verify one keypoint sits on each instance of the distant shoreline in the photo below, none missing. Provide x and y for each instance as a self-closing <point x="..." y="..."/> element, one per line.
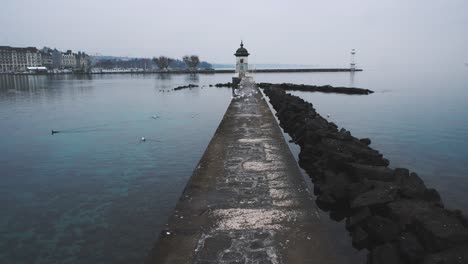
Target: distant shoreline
<point x="200" y="71"/>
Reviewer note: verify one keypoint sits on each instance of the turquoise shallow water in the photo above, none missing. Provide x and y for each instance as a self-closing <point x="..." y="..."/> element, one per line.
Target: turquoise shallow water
<point x="96" y="194"/>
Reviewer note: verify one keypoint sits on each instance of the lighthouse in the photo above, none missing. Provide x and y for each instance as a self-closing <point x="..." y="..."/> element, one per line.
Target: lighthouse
<point x="352" y="65"/>
<point x="241" y="61"/>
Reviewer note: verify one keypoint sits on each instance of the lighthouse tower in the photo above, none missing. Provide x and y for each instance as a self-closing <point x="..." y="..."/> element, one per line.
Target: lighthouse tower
<point x="242" y="63"/>
<point x="353" y="62"/>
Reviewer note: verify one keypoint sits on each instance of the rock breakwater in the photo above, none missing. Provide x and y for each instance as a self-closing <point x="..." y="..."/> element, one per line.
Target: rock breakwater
<point x="189" y="86"/>
<point x="388" y="211"/>
<point x="315" y="88"/>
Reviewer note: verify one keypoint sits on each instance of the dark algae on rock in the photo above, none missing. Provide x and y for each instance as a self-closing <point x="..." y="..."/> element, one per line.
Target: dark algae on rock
<point x="389" y="211"/>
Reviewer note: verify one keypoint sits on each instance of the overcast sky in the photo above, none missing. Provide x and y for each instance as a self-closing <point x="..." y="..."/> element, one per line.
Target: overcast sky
<point x="384" y="32"/>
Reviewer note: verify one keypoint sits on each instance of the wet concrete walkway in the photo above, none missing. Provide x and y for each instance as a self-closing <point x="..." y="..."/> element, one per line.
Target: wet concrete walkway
<point x="246" y="202"/>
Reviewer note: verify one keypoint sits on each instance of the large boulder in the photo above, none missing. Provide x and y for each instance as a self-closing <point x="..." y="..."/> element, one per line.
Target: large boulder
<point x="456" y="255"/>
<point x="381" y="229"/>
<point x="410" y="247"/>
<point x="436" y="228"/>
<point x="384" y="254"/>
<point x="381" y="194"/>
<point x="358" y="217"/>
<point x="335" y="184"/>
<point x="412" y="186"/>
<point x="360" y="239"/>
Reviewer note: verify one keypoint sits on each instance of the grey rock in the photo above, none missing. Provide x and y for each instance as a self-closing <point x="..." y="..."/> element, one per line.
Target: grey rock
<point x="358" y="217"/>
<point x="380" y="195"/>
<point x="384" y="254"/>
<point x="399" y="174"/>
<point x="410" y="247"/>
<point x="369" y="172"/>
<point x="412" y="186"/>
<point x="436" y="228"/>
<point x="360" y="239"/>
<point x="365" y="141"/>
<point x="456" y="255"/>
<point x="432" y="195"/>
<point x="382" y="229"/>
<point x="357" y="188"/>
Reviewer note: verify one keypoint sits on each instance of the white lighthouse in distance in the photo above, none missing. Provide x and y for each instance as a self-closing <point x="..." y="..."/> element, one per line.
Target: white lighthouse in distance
<point x="352" y="65"/>
<point x="242" y="65"/>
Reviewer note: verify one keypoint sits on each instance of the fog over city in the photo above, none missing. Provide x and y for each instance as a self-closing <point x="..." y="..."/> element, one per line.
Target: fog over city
<point x="385" y="33"/>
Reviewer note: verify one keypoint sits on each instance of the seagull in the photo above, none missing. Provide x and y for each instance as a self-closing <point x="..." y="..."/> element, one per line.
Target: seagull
<point x="328" y="115"/>
<point x="143" y="139"/>
<point x="155" y="117"/>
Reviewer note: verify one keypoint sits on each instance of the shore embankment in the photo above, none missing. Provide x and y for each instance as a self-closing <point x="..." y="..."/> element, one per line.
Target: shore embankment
<point x="389" y="211"/>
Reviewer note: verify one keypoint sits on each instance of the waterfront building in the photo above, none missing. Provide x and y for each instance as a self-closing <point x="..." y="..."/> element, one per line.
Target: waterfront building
<point x="15" y="59"/>
<point x="68" y="60"/>
<point x="56" y="59"/>
<point x="47" y="60"/>
<point x="242" y="65"/>
<point x="82" y="61"/>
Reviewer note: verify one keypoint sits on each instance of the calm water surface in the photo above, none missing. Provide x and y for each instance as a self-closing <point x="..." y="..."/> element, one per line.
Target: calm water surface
<point x="96" y="194"/>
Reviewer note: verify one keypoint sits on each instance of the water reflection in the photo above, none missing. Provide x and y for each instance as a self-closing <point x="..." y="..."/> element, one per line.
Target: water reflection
<point x="192" y="77"/>
<point x="351" y="78"/>
<point x="21" y="82"/>
<point x="163" y="76"/>
<point x="94" y="193"/>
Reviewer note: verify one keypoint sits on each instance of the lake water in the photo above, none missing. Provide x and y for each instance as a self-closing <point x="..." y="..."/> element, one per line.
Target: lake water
<point x="95" y="193"/>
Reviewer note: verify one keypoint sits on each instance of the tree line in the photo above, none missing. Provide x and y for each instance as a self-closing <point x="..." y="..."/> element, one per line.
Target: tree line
<point x="190" y="62"/>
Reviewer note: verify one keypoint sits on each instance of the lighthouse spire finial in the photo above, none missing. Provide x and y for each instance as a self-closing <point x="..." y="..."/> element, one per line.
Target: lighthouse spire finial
<point x="242" y="44"/>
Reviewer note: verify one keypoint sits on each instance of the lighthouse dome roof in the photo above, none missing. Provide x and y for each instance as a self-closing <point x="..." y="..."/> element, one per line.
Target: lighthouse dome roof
<point x="241" y="52"/>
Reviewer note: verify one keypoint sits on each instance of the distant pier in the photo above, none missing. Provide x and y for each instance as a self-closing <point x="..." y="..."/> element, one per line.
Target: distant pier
<point x="142" y="71"/>
<point x="233" y="71"/>
<point x="246" y="201"/>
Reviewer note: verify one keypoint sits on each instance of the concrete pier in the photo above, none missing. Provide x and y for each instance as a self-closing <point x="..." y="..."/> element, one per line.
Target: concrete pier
<point x="246" y="201"/>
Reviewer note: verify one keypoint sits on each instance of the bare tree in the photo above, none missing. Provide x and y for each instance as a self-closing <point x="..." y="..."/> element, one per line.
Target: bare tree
<point x="162" y="62"/>
<point x="191" y="61"/>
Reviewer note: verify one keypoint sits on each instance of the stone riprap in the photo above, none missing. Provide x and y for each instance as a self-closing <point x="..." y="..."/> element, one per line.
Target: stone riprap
<point x="315" y="88"/>
<point x="388" y="211"/>
<point x="189" y="86"/>
<point x="246" y="201"/>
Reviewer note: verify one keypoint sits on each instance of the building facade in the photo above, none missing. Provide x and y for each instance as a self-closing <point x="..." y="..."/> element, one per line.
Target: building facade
<point x="47" y="60"/>
<point x="68" y="60"/>
<point x="82" y="62"/>
<point x="14" y="59"/>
